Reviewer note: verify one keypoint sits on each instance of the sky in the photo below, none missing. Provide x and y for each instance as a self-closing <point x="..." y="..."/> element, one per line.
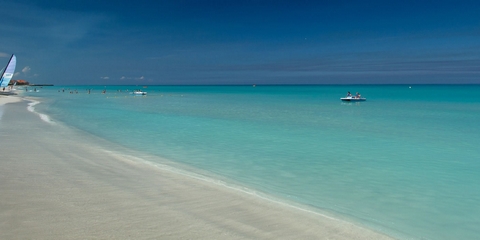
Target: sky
<point x="144" y="42"/>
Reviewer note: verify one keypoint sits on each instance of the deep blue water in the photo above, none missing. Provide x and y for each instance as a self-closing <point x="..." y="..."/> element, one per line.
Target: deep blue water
<point x="405" y="162"/>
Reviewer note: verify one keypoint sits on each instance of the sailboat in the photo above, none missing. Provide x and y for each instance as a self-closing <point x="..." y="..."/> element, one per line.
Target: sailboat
<point x="9" y="71"/>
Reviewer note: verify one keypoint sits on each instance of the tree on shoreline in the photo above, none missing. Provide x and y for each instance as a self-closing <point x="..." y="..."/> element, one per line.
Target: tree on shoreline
<point x="19" y="82"/>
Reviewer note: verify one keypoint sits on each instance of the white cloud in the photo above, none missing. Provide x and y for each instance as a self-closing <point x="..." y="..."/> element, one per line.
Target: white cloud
<point x="105" y="78"/>
<point x="26" y="69"/>
<point x="2" y="54"/>
<point x="132" y="78"/>
<point x="25" y="73"/>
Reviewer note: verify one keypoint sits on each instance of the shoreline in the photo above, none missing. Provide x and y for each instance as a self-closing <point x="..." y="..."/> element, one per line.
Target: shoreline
<point x="60" y="187"/>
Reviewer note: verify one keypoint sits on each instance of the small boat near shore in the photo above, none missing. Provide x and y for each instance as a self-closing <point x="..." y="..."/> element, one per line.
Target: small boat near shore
<point x="137" y="92"/>
<point x="353" y="99"/>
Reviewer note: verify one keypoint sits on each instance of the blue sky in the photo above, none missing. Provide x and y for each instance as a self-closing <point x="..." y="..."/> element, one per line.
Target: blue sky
<point x="242" y="42"/>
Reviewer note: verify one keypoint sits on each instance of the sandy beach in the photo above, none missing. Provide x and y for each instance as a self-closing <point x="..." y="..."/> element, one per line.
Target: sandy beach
<point x="54" y="186"/>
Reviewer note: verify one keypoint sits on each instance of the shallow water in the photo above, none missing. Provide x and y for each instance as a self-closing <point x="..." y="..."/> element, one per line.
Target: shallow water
<point x="405" y="162"/>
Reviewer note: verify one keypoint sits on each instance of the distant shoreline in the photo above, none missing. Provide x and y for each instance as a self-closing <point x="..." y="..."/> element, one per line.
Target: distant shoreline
<point x="37" y="85"/>
<point x="33" y="85"/>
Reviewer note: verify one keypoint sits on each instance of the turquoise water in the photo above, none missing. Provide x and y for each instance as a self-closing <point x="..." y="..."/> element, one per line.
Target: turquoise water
<point x="405" y="162"/>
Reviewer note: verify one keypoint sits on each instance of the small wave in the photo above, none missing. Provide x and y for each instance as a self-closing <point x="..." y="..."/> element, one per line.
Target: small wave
<point x="229" y="185"/>
<point x="44" y="117"/>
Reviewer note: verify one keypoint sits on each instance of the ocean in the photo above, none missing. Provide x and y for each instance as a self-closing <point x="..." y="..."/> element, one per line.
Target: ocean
<point x="406" y="162"/>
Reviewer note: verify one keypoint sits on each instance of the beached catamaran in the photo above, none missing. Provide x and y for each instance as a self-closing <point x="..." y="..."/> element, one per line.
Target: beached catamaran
<point x="9" y="71"/>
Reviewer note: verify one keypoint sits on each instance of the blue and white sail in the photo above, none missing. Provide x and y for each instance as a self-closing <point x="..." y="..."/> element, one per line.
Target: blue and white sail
<point x="9" y="71"/>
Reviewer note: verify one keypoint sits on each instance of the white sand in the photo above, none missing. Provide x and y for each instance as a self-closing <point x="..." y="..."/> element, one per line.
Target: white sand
<point x="8" y="99"/>
<point x="53" y="186"/>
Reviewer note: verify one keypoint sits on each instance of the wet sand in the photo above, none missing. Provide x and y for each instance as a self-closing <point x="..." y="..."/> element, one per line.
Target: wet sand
<point x="56" y="185"/>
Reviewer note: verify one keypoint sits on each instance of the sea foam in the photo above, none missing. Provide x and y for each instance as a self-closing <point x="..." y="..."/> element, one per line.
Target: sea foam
<point x="44" y="117"/>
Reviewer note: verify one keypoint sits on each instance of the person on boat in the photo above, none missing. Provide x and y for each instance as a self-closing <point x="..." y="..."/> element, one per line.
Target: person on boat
<point x="358" y="95"/>
<point x="349" y="94"/>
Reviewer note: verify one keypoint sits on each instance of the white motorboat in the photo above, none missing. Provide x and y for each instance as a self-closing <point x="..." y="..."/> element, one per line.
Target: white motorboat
<point x="138" y="93"/>
<point x="353" y="99"/>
